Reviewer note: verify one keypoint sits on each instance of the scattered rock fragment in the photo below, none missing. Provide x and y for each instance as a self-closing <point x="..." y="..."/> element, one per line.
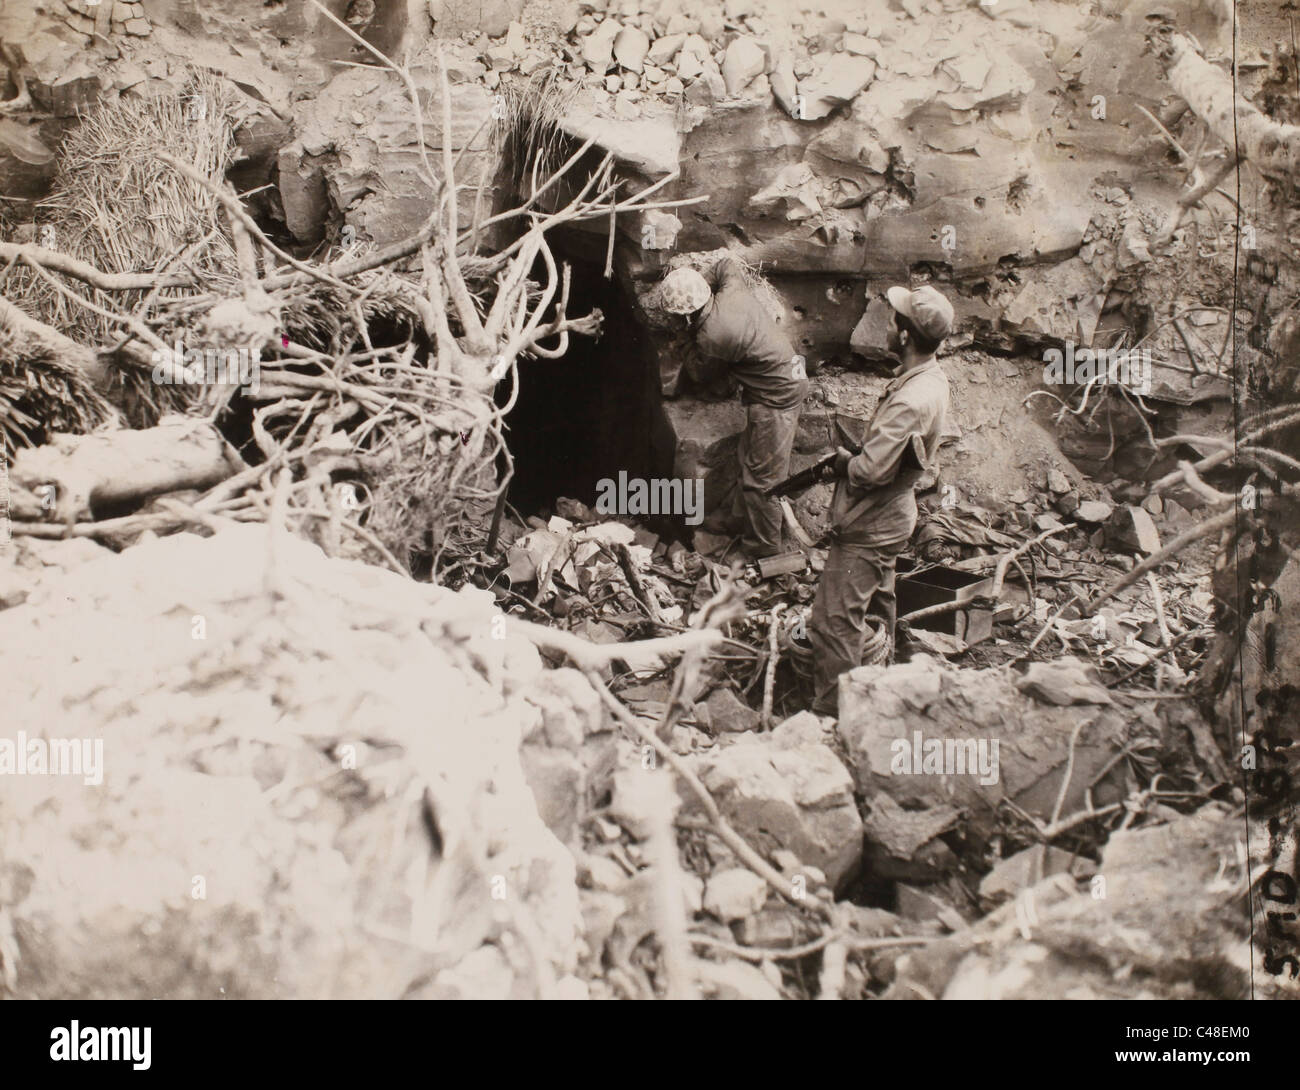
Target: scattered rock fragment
<point x="662" y="50"/>
<point x="1160" y="920"/>
<point x="780" y="791"/>
<point x="727" y="713"/>
<point x="1133" y="530"/>
<point x="598" y="47"/>
<point x="1020" y="871"/>
<point x="839" y="81"/>
<point x="1093" y="511"/>
<point x="744" y="61"/>
<point x="1063" y="681"/>
<point x="734" y="894"/>
<point x="927" y="734"/>
<point x="631" y="47"/>
<point x="735" y="980"/>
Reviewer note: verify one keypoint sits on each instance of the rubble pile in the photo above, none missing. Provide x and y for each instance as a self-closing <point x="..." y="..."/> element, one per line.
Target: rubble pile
<point x="1164" y="917"/>
<point x="613" y="580"/>
<point x="213" y="672"/>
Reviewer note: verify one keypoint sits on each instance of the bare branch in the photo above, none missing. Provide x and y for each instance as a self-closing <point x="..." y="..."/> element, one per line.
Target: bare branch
<point x="86" y="272"/>
<point x="475" y="338"/>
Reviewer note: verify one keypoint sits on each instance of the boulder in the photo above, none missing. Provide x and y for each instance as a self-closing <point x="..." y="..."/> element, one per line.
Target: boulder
<point x="905" y="845"/>
<point x="692" y="58"/>
<point x="794" y="194"/>
<point x="664" y="49"/>
<point x="1063" y="681"/>
<point x="1067" y="503"/>
<point x="734" y="894"/>
<point x="838" y="81"/>
<point x="734" y="980"/>
<point x="1161" y="919"/>
<point x="659" y="230"/>
<point x="1026" y="867"/>
<point x="785" y="87"/>
<point x="708" y="87"/>
<point x="368" y="169"/>
<point x="1094" y="511"/>
<point x="783" y="791"/>
<point x="928" y="735"/>
<point x="729" y="714"/>
<point x="274" y="791"/>
<point x="650" y="146"/>
<point x="568" y="756"/>
<point x="631" y="47"/>
<point x="743" y="61"/>
<point x="597" y="48"/>
<point x="452" y="18"/>
<point x="870" y="337"/>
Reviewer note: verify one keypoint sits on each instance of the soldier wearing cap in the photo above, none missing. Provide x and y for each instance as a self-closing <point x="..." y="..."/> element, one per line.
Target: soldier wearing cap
<point x="873" y="512"/>
<point x="731" y="324"/>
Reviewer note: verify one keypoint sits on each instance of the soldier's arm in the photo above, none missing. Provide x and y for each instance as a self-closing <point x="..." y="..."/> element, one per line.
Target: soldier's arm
<point x="882" y="447"/>
<point x="724" y="273"/>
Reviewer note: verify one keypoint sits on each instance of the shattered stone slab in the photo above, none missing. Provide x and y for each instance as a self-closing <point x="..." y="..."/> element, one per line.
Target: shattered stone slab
<point x="927" y="735"/>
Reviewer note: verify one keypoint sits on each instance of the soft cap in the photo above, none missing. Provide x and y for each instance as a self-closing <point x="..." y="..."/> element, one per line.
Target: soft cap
<point x="926" y="308"/>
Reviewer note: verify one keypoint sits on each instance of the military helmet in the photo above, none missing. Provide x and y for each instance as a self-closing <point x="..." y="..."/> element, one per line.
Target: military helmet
<point x="685" y="291"/>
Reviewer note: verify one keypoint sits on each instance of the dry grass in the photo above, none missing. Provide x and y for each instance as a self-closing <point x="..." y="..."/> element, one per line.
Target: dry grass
<point x="115" y="205"/>
<point x="532" y="140"/>
<point x="41" y="396"/>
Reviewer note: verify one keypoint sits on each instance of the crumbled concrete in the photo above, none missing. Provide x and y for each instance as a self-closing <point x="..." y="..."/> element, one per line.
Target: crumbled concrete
<point x="1132" y="529"/>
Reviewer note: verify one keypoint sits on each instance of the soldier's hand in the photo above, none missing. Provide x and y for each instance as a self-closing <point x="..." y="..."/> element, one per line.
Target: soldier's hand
<point x="842" y="459"/>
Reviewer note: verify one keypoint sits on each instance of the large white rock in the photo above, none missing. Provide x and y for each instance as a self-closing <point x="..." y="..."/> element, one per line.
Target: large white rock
<point x="742" y="62"/>
<point x="734" y="894"/>
<point x="994" y="741"/>
<point x="286" y="800"/>
<point x="787" y="789"/>
<point x="665" y="49"/>
<point x="631" y="47"/>
<point x="598" y="46"/>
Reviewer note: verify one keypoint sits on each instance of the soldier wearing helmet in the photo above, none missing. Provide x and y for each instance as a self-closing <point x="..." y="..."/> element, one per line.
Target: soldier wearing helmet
<point x="731" y="324"/>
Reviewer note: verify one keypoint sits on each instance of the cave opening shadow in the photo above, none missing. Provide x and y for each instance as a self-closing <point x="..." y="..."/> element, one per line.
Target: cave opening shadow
<point x="588" y="415"/>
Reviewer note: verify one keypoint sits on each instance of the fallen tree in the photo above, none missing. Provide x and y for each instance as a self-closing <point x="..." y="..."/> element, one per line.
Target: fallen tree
<point x="74" y="475"/>
<point x="395" y="449"/>
<point x="1273" y="148"/>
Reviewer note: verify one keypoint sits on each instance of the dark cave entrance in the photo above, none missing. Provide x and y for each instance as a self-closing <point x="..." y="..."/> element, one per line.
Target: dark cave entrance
<point x="589" y="414"/>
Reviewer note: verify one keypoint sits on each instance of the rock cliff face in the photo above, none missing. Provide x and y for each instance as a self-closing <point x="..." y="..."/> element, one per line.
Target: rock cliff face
<point x="1002" y="150"/>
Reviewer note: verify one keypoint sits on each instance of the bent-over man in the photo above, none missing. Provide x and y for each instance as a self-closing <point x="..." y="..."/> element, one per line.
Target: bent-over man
<point x="731" y="324"/>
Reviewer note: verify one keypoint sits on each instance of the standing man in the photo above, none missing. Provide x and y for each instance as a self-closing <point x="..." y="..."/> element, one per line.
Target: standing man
<point x="731" y="324"/>
<point x="873" y="513"/>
